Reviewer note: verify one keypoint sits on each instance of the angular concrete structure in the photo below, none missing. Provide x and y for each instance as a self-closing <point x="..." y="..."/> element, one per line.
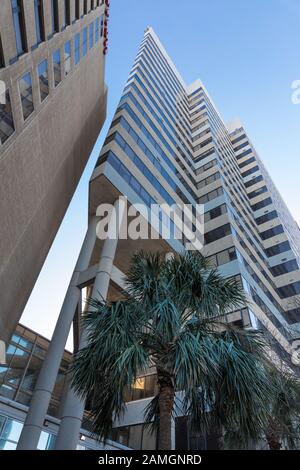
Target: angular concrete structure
<point x="52" y="59"/>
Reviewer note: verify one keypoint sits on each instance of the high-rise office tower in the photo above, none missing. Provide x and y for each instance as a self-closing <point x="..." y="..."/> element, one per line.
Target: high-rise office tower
<point x="52" y="107"/>
<point x="168" y="144"/>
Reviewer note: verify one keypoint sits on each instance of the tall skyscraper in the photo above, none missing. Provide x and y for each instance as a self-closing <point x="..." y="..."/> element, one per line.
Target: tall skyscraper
<point x="168" y="144"/>
<point x="52" y="107"/>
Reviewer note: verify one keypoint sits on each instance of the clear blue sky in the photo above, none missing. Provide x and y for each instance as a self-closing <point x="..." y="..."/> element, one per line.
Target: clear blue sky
<point x="246" y="52"/>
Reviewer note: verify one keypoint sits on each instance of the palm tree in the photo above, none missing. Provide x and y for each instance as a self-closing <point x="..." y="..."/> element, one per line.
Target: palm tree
<point x="172" y="319"/>
<point x="283" y="423"/>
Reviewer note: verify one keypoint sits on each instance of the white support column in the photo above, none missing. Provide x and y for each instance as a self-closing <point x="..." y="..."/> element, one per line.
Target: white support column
<point x="73" y="410"/>
<point x="46" y="381"/>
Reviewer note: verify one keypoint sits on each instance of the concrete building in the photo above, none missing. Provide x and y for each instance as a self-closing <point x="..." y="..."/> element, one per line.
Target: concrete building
<point x="52" y="107"/>
<point x="168" y="144"/>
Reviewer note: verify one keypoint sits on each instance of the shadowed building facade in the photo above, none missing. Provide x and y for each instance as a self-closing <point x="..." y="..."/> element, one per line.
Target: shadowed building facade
<point x="168" y="144"/>
<point x="52" y="107"/>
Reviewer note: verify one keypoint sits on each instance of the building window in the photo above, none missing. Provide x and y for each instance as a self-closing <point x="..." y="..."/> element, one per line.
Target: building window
<point x="77" y="9"/>
<point x="137" y="436"/>
<point x="55" y="22"/>
<point x="39" y="21"/>
<point x="10" y="431"/>
<point x="67" y="57"/>
<point x="101" y="25"/>
<point x="77" y="48"/>
<point x="7" y="127"/>
<point x="96" y="30"/>
<point x="84" y="41"/>
<point x="43" y="79"/>
<point x="92" y="5"/>
<point x="19" y="25"/>
<point x="25" y="87"/>
<point x="56" y="67"/>
<point x="85" y="7"/>
<point x="67" y="12"/>
<point x="2" y="61"/>
<point x="91" y="35"/>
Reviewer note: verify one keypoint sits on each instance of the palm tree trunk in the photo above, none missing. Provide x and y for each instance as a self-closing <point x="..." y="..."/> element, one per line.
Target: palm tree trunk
<point x="273" y="443"/>
<point x="165" y="403"/>
<point x="273" y="435"/>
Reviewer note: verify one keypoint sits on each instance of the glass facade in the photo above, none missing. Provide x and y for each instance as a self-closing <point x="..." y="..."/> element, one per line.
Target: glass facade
<point x="25" y="355"/>
<point x="10" y="430"/>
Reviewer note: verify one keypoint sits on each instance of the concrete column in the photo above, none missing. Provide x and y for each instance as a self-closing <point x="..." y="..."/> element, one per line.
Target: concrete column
<point x="73" y="410"/>
<point x="46" y="381"/>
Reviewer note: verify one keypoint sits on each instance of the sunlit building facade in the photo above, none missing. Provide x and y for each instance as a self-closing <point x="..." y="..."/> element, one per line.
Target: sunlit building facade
<point x="168" y="144"/>
<point x="52" y="108"/>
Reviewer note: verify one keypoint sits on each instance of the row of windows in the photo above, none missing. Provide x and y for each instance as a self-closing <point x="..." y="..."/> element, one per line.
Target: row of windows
<point x="241" y="146"/>
<point x="209" y="180"/>
<point x="223" y="257"/>
<point x="111" y="158"/>
<point x="143" y="168"/>
<point x="277" y="249"/>
<point x="215" y="212"/>
<point x="143" y="387"/>
<point x="137" y="436"/>
<point x="148" y="135"/>
<point x="211" y="195"/>
<point x="217" y="233"/>
<point x="203" y="144"/>
<point x="7" y="127"/>
<point x="119" y="139"/>
<point x="153" y="113"/>
<point x="206" y="167"/>
<point x="202" y="124"/>
<point x="10" y="431"/>
<point x="272" y="232"/>
<point x="247" y="162"/>
<point x="261" y="204"/>
<point x="289" y="290"/>
<point x="266" y="217"/>
<point x="284" y="268"/>
<point x="201" y="134"/>
<point x="250" y="171"/>
<point x="238" y="139"/>
<point x="244" y="154"/>
<point x="19" y="19"/>
<point x="205" y="155"/>
<point x="255" y="180"/>
<point x="257" y="192"/>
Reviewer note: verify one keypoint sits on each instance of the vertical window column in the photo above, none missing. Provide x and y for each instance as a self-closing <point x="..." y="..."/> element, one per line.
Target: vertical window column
<point x="77" y="9"/>
<point x="19" y="25"/>
<point x="54" y="12"/>
<point x="67" y="12"/>
<point x="25" y="88"/>
<point x="39" y="21"/>
<point x="56" y="67"/>
<point x="43" y="79"/>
